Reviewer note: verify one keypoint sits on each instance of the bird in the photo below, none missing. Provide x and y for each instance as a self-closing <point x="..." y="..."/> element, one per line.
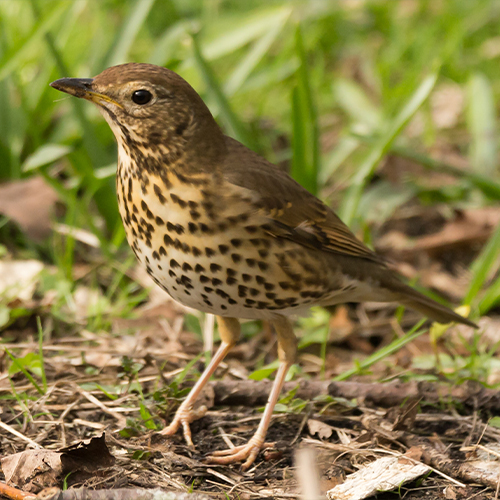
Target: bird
<point x="224" y="231"/>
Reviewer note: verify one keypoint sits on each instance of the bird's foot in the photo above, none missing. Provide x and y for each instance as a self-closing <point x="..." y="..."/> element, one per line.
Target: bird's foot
<point x="183" y="417"/>
<point x="247" y="452"/>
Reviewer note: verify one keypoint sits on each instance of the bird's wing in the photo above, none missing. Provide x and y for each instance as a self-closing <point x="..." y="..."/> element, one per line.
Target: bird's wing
<point x="290" y="211"/>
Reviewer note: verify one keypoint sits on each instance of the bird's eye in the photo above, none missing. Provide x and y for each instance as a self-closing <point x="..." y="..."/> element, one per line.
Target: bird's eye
<point x="142" y="96"/>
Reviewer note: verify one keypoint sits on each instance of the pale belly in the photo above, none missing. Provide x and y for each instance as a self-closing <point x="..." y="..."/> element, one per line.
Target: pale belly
<point x="224" y="262"/>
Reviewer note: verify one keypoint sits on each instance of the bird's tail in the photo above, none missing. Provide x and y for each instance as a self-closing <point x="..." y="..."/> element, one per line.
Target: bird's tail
<point x="430" y="308"/>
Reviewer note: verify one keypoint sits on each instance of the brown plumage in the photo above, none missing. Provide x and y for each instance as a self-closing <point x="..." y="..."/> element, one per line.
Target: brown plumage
<point x="223" y="230"/>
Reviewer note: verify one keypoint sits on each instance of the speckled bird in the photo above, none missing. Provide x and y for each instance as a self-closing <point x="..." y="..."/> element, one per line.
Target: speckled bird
<point x="224" y="231"/>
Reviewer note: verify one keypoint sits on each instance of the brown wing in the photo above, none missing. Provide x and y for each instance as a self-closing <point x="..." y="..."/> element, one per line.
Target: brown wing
<point x="292" y="211"/>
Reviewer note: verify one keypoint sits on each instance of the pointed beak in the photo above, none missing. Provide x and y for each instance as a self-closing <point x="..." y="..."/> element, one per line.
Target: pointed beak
<point x="82" y="87"/>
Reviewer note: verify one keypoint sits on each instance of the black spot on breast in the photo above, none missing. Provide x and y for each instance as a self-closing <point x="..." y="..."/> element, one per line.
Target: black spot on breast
<point x="172" y="274"/>
<point x="159" y="221"/>
<point x="215" y="268"/>
<point x="271" y="295"/>
<point x="263" y="266"/>
<point x="204" y="279"/>
<point x="174" y="264"/>
<point x="231" y="272"/>
<point x="251" y="229"/>
<point x="204" y="228"/>
<point x="251" y="262"/>
<point x="186" y="267"/>
<point x="260" y="279"/>
<point x="196" y="251"/>
<point x="284" y="285"/>
<point x="192" y="204"/>
<point x="158" y="193"/>
<point x="192" y="227"/>
<point x="199" y="269"/>
<point x="216" y="282"/>
<point x="209" y="252"/>
<point x="253" y="292"/>
<point x="208" y="289"/>
<point x="246" y="278"/>
<point x="195" y="215"/>
<point x="162" y="251"/>
<point x="156" y="256"/>
<point x="231" y="281"/>
<point x="263" y="253"/>
<point x="221" y="293"/>
<point x="236" y="242"/>
<point x="223" y="249"/>
<point x="242" y="291"/>
<point x="184" y="280"/>
<point x="175" y="228"/>
<point x="269" y="286"/>
<point x="236" y="257"/>
<point x="232" y="301"/>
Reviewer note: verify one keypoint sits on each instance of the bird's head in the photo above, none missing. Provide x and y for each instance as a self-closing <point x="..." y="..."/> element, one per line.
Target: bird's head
<point x="149" y="107"/>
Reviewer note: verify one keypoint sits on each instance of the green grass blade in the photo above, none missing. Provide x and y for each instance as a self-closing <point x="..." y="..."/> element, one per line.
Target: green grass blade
<point x="128" y="34"/>
<point x="368" y="167"/>
<point x="229" y="117"/>
<point x="253" y="57"/>
<point x="490" y="299"/>
<point x="305" y="142"/>
<point x="355" y="103"/>
<point x="18" y="55"/>
<point x="483" y="266"/>
<point x="245" y="30"/>
<point x="383" y="353"/>
<point x="488" y="185"/>
<point x="25" y="372"/>
<point x="481" y="122"/>
<point x="40" y="353"/>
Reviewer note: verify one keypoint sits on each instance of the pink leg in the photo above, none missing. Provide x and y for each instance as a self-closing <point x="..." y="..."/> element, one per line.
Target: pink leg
<point x="248" y="452"/>
<point x="229" y="329"/>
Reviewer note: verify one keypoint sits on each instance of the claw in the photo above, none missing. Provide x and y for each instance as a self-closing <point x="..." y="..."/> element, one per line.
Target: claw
<point x="183" y="418"/>
<point x="247" y="452"/>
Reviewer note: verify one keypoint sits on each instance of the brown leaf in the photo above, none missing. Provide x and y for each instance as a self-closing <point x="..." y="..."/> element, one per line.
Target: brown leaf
<point x="324" y="431"/>
<point x="30" y="203"/>
<point x="33" y="470"/>
<point x="18" y="278"/>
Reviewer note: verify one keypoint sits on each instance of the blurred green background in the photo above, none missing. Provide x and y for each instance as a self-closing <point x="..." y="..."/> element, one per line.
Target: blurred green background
<point x="326" y="89"/>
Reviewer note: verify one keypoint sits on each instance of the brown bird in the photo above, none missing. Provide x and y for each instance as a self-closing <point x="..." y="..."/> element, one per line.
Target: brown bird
<point x="224" y="231"/>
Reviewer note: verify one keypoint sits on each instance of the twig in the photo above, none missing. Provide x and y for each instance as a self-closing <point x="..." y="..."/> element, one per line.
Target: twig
<point x="8" y="428"/>
<point x="14" y="493"/>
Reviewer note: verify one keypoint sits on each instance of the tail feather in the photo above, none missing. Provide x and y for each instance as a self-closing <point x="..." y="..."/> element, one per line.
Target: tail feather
<point x="430" y="308"/>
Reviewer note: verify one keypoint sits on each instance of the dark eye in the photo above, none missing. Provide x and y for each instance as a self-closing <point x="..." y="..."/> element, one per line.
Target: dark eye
<point x="141" y="96"/>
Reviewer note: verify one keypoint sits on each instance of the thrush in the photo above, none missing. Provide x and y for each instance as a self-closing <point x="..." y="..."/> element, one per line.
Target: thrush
<point x="223" y="230"/>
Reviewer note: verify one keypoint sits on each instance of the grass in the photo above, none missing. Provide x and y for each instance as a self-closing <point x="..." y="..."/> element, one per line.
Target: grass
<point x="283" y="77"/>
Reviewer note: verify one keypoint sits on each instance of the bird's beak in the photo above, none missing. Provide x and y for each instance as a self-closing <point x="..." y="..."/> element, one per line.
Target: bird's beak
<point x="82" y="87"/>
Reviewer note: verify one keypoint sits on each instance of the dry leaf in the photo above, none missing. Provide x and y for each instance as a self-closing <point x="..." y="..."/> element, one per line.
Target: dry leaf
<point x="447" y="104"/>
<point x="33" y="470"/>
<point x="18" y="278"/>
<point x="30" y="203"/>
<point x="324" y="431"/>
<point x="385" y="474"/>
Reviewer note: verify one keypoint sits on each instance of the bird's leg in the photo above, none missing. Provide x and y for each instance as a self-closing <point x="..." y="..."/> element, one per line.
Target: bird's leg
<point x="287" y="350"/>
<point x="229" y="330"/>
